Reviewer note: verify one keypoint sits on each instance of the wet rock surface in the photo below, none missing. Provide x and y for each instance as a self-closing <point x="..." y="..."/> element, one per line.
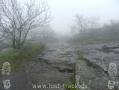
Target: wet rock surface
<point x="58" y="62"/>
<point x="93" y="69"/>
<point x="50" y="70"/>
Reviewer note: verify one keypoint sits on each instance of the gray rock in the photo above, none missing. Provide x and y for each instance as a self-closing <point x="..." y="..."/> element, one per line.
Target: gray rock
<point x="94" y="67"/>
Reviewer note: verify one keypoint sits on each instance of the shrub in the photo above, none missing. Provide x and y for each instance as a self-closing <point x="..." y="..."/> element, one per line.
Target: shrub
<point x="19" y="57"/>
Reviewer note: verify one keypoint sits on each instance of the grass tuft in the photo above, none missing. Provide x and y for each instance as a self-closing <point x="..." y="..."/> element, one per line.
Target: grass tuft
<point x="72" y="84"/>
<point x="81" y="56"/>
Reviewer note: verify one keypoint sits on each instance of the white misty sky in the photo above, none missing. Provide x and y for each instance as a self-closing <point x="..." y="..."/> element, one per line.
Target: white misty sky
<point x="63" y="11"/>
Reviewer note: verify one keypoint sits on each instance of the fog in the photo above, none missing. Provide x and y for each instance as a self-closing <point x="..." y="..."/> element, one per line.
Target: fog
<point x="59" y="44"/>
<point x="64" y="11"/>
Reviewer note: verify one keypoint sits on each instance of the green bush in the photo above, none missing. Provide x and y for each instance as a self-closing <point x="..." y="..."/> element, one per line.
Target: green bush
<point x="8" y="54"/>
<point x="19" y="57"/>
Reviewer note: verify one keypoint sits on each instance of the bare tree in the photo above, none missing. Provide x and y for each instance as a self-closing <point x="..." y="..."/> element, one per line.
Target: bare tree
<point x="17" y="20"/>
<point x="84" y="24"/>
<point x="81" y="23"/>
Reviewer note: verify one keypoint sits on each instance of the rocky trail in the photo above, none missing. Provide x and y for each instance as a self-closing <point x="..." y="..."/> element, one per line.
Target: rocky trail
<point x="51" y="69"/>
<point x="48" y="71"/>
<point x="93" y="68"/>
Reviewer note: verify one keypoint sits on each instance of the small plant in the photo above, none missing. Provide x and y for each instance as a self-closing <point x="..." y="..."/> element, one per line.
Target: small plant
<point x="81" y="57"/>
<point x="71" y="85"/>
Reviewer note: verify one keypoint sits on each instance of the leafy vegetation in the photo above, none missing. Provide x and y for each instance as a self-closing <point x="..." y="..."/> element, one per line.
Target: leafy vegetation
<point x="80" y="57"/>
<point x="72" y="84"/>
<point x="19" y="57"/>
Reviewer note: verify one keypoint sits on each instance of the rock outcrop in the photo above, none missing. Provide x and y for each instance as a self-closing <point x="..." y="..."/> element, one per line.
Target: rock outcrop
<point x="93" y="68"/>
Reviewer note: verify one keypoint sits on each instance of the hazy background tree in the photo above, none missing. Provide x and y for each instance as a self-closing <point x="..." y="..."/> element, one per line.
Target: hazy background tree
<point x="90" y="30"/>
<point x="82" y="24"/>
<point x="46" y="35"/>
<point x="17" y="20"/>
